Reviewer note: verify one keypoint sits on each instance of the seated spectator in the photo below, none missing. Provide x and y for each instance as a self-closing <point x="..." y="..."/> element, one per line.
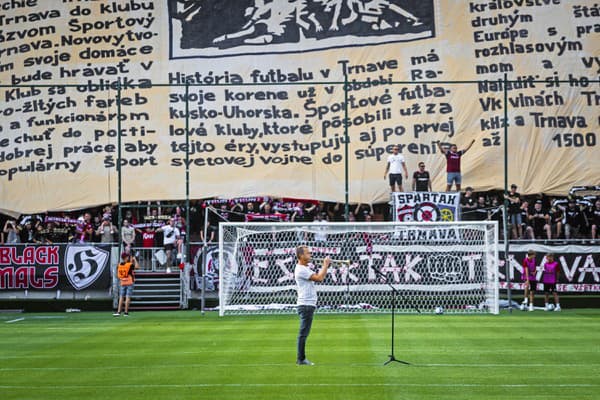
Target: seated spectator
<point x="574" y="220"/>
<point x="539" y="222"/>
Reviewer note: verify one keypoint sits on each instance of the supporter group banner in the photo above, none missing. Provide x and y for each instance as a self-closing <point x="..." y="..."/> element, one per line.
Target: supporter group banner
<point x="426" y="206"/>
<point x="579" y="266"/>
<point x="52" y="267"/>
<point x="271" y="268"/>
<point x="291" y="98"/>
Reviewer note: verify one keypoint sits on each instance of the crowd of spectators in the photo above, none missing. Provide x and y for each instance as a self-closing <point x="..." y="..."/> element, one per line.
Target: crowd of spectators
<point x="536" y="216"/>
<point x="529" y="217"/>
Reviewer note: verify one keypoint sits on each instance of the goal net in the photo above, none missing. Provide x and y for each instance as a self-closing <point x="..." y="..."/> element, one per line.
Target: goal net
<point x="445" y="266"/>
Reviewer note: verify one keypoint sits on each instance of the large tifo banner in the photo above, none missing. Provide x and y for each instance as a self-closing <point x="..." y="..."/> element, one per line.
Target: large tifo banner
<point x="426" y="206"/>
<point x="249" y="97"/>
<point x="53" y="267"/>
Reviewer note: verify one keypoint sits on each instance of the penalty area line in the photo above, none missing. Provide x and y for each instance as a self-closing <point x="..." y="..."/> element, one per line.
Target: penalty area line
<point x="15" y="320"/>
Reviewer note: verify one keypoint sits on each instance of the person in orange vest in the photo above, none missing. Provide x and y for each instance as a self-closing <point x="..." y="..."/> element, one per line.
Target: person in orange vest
<point x="126" y="275"/>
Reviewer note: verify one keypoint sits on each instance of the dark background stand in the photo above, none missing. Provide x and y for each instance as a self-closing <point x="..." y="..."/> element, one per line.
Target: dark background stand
<point x="395" y="294"/>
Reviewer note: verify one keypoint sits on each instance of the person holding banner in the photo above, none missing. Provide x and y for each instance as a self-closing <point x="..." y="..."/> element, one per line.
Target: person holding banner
<point x="125" y="273"/>
<point x="453" y="156"/>
<point x="395" y="165"/>
<point x="307" y="297"/>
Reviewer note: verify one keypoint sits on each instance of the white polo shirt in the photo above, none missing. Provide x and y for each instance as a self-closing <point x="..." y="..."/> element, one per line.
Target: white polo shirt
<point x="307" y="293"/>
<point x="396" y="161"/>
<point x="170" y="234"/>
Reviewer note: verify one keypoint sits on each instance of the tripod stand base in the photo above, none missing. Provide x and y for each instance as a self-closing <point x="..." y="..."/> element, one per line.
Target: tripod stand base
<point x="394" y="359"/>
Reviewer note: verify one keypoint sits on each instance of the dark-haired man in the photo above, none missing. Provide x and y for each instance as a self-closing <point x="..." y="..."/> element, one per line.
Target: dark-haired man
<point x="453" y="156"/>
<point x="421" y="180"/>
<point x="307" y="297"/>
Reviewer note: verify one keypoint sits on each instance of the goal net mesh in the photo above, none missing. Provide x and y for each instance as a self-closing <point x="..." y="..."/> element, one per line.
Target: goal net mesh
<point x="445" y="266"/>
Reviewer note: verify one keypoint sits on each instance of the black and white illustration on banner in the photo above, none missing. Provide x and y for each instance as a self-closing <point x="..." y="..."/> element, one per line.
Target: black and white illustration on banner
<point x="215" y="28"/>
<point x="84" y="265"/>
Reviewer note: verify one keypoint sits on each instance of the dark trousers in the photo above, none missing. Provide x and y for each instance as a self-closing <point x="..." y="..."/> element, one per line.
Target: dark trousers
<point x="306" y="317"/>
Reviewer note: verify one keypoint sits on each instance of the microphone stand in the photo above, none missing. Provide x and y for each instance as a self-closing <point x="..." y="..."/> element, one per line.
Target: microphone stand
<point x="392" y="357"/>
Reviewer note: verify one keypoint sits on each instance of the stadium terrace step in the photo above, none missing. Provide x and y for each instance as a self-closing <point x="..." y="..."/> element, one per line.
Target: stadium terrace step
<point x="156" y="291"/>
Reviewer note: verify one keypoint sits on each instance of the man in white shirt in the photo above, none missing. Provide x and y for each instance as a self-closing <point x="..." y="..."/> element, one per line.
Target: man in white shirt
<point x="171" y="236"/>
<point x="320" y="233"/>
<point x="395" y="165"/>
<point x="307" y="297"/>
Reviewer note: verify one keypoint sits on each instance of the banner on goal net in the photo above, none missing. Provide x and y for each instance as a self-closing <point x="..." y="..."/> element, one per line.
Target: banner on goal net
<point x="449" y="265"/>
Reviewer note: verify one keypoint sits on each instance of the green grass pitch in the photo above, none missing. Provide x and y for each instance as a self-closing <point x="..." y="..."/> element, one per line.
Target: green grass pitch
<point x="184" y="355"/>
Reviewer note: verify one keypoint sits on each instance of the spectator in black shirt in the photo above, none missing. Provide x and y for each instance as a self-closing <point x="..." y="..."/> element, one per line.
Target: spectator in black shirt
<point x="556" y="220"/>
<point x="574" y="220"/>
<point x="468" y="205"/>
<point x="481" y="210"/>
<point x="539" y="226"/>
<point x="26" y="232"/>
<point x="514" y="211"/>
<point x="362" y="210"/>
<point x="594" y="218"/>
<point x="337" y="212"/>
<point x="421" y="181"/>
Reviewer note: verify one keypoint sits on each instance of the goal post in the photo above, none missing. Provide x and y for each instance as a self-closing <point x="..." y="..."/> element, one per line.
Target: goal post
<point x="432" y="265"/>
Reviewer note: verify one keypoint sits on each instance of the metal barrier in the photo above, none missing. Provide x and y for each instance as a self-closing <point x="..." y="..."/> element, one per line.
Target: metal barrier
<point x="154" y="259"/>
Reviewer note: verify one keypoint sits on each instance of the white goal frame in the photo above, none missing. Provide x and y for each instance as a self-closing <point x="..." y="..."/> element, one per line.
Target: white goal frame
<point x="432" y="265"/>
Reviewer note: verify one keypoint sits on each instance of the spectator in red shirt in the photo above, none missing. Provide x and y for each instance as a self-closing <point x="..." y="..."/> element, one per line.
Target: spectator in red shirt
<point x="453" y="156"/>
<point x="147" y="243"/>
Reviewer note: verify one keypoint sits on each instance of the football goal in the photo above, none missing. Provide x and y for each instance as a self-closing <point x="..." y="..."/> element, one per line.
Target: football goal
<point x="450" y="266"/>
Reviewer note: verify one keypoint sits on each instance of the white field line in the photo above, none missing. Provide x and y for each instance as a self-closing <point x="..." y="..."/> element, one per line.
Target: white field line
<point x="278" y="365"/>
<point x="262" y="385"/>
